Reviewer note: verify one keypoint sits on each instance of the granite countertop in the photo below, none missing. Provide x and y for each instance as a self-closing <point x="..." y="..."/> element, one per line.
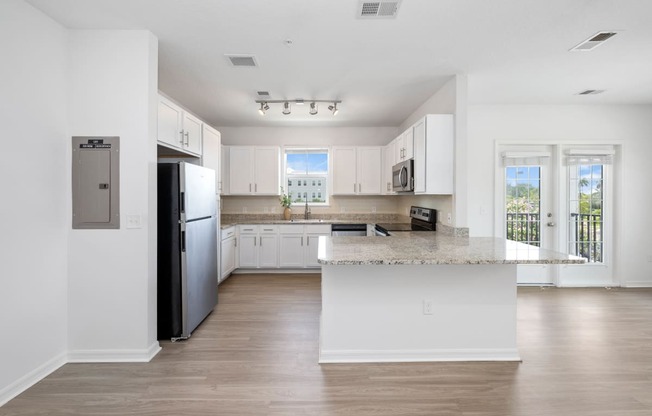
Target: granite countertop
<point x="434" y="248"/>
<point x="297" y="221"/>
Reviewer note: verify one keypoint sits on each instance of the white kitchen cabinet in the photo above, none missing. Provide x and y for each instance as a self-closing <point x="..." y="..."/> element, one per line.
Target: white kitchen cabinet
<point x="357" y="170"/>
<point x="178" y="129"/>
<point x="299" y="244"/>
<point x="433" y="159"/>
<point x="228" y="252"/>
<point x="404" y="146"/>
<point x="388" y="163"/>
<point x="258" y="246"/>
<point x="211" y="150"/>
<point x="224" y="185"/>
<point x="254" y="170"/>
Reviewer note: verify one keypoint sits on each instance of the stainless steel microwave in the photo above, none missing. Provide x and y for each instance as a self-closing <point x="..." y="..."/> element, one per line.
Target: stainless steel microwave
<point x="403" y="176"/>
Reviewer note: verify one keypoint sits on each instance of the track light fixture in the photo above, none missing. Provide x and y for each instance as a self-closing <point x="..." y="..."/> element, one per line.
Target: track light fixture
<point x="263" y="108"/>
<point x="264" y="105"/>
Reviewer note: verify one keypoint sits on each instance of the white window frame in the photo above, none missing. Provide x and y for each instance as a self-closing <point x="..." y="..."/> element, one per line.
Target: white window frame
<point x="326" y="176"/>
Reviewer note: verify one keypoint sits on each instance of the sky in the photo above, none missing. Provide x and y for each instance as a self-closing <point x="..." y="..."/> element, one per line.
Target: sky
<point x="311" y="163"/>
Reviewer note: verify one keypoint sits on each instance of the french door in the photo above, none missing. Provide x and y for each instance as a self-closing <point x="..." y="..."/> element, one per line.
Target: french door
<point x="558" y="198"/>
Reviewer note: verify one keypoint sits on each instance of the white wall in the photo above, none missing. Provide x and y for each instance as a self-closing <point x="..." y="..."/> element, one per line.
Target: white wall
<point x="630" y="126"/>
<point x="34" y="207"/>
<point x="112" y="273"/>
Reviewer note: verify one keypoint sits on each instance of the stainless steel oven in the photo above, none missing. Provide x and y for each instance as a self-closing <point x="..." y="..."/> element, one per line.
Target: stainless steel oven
<point x="403" y="176"/>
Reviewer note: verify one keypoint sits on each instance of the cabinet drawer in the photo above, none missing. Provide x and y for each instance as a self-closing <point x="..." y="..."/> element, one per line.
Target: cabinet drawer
<point x="318" y="229"/>
<point x="268" y="229"/>
<point x="227" y="233"/>
<point x="291" y="229"/>
<point x="247" y="229"/>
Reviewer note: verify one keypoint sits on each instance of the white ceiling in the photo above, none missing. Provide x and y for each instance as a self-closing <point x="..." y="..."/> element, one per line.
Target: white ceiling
<point x="513" y="51"/>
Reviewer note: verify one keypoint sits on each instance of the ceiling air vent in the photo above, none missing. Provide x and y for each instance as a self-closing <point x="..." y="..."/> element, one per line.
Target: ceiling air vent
<point x="590" y="92"/>
<point x="242" y="60"/>
<point x="378" y="9"/>
<point x="593" y="42"/>
<point x="263" y="94"/>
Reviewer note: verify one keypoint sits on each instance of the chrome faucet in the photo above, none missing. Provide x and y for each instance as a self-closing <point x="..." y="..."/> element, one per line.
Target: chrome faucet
<point x="306" y="213"/>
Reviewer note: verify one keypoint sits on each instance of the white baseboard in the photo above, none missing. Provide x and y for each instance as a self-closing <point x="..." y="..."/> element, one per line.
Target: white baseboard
<point x="404" y="356"/>
<point x="31" y="378"/>
<point x="114" y="356"/>
<point x="637" y="284"/>
<point x="273" y="271"/>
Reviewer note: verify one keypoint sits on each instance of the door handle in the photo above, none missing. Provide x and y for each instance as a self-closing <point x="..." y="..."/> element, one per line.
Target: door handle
<point x="187" y="139"/>
<point x="255" y="241"/>
<point x="181" y="133"/>
<point x="255" y="187"/>
<point x="551" y="224"/>
<point x="359" y="188"/>
<point x="249" y="187"/>
<point x="261" y="241"/>
<point x="301" y="241"/>
<point x="307" y="241"/>
<point x="354" y="187"/>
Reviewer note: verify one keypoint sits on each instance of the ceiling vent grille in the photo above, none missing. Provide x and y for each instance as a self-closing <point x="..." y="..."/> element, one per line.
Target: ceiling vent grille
<point x="590" y="92"/>
<point x="593" y="42"/>
<point x="242" y="60"/>
<point x="263" y="94"/>
<point x="378" y="9"/>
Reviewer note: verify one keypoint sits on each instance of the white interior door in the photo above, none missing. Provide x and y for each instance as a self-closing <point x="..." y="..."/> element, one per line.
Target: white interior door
<point x="526" y="205"/>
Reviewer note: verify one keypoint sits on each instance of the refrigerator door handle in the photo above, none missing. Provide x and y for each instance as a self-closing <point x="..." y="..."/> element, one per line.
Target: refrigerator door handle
<point x="182" y="201"/>
<point x="183" y="241"/>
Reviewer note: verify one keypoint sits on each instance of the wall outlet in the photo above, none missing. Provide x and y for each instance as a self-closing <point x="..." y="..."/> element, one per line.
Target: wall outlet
<point x="427" y="307"/>
<point x="373" y="210"/>
<point x="133" y="221"/>
<point x="449" y="218"/>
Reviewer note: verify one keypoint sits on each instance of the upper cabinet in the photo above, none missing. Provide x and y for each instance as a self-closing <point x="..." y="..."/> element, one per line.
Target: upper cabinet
<point x="433" y="154"/>
<point x="357" y="170"/>
<point x="389" y="160"/>
<point x="254" y="170"/>
<point x="404" y="146"/>
<point x="211" y="153"/>
<point x="178" y="129"/>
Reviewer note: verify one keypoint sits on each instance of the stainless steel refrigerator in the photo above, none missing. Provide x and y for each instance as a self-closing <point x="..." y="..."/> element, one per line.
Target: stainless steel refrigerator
<point x="187" y="248"/>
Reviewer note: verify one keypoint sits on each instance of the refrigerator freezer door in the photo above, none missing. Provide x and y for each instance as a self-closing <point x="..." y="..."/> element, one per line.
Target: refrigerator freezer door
<point x="198" y="187"/>
<point x="199" y="271"/>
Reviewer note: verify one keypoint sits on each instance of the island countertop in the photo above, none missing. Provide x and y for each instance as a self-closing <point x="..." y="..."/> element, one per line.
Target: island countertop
<point x="434" y="248"/>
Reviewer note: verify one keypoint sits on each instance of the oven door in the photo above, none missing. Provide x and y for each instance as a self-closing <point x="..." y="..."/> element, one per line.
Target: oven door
<point x="402" y="179"/>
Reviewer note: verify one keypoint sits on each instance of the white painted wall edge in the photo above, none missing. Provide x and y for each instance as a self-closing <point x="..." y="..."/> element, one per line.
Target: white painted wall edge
<point x="403" y="356"/>
<point x="114" y="356"/>
<point x="31" y="378"/>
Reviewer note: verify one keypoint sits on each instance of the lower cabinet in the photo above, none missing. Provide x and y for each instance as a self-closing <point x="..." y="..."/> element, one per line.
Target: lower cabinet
<point x="258" y="246"/>
<point x="228" y="247"/>
<point x="299" y="244"/>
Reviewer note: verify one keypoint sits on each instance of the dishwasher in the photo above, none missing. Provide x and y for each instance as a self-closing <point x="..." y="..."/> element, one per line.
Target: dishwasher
<point x="349" y="230"/>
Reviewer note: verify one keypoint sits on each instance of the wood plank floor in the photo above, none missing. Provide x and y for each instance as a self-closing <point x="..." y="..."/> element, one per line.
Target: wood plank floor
<point x="585" y="352"/>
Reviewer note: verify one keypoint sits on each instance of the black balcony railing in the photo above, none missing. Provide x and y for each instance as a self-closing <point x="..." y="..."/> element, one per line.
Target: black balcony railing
<point x="524" y="227"/>
<point x="586" y="236"/>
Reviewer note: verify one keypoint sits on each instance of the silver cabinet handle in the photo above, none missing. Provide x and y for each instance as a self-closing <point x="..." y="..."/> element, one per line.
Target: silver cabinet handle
<point x="181" y="133"/>
<point x="307" y="241"/>
<point x="360" y="188"/>
<point x="302" y="241"/>
<point x="255" y="187"/>
<point x="235" y="242"/>
<point x="261" y="241"/>
<point x="353" y="187"/>
<point x="187" y="139"/>
<point x="249" y="187"/>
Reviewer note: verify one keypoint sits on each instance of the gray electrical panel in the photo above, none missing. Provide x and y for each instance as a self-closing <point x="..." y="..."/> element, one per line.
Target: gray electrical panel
<point x="95" y="182"/>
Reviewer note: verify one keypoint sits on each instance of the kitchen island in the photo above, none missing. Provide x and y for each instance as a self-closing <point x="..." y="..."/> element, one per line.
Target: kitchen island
<point x="421" y="296"/>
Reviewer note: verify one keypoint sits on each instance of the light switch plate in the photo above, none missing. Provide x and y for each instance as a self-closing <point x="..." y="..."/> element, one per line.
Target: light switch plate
<point x="133" y="221"/>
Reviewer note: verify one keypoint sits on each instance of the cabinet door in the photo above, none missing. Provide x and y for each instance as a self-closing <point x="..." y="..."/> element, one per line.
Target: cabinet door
<point x="420" y="157"/>
<point x="169" y="123"/>
<point x="266" y="171"/>
<point x="312" y="245"/>
<point x="228" y="257"/>
<point x="268" y="251"/>
<point x="408" y="143"/>
<point x="248" y="250"/>
<point x="399" y="149"/>
<point x="388" y="163"/>
<point x="192" y="133"/>
<point x="291" y="250"/>
<point x="369" y="163"/>
<point x="211" y="153"/>
<point x="240" y="170"/>
<point x="344" y="171"/>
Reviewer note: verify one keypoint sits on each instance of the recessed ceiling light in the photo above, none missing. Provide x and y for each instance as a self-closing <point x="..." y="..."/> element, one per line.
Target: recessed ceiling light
<point x="593" y="42"/>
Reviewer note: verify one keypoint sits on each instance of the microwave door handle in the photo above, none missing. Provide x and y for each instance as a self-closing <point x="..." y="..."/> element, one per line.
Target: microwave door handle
<point x="400" y="177"/>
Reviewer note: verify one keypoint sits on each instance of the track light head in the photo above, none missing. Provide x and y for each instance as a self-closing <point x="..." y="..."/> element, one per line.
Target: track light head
<point x="286" y="108"/>
<point x="313" y="109"/>
<point x="263" y="108"/>
<point x="333" y="108"/>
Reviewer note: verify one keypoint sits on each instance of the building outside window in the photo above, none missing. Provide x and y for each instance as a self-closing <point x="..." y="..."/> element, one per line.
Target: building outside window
<point x="307" y="168"/>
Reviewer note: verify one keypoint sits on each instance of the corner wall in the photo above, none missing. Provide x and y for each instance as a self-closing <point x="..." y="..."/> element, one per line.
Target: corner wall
<point x="33" y="281"/>
<point x="112" y="273"/>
